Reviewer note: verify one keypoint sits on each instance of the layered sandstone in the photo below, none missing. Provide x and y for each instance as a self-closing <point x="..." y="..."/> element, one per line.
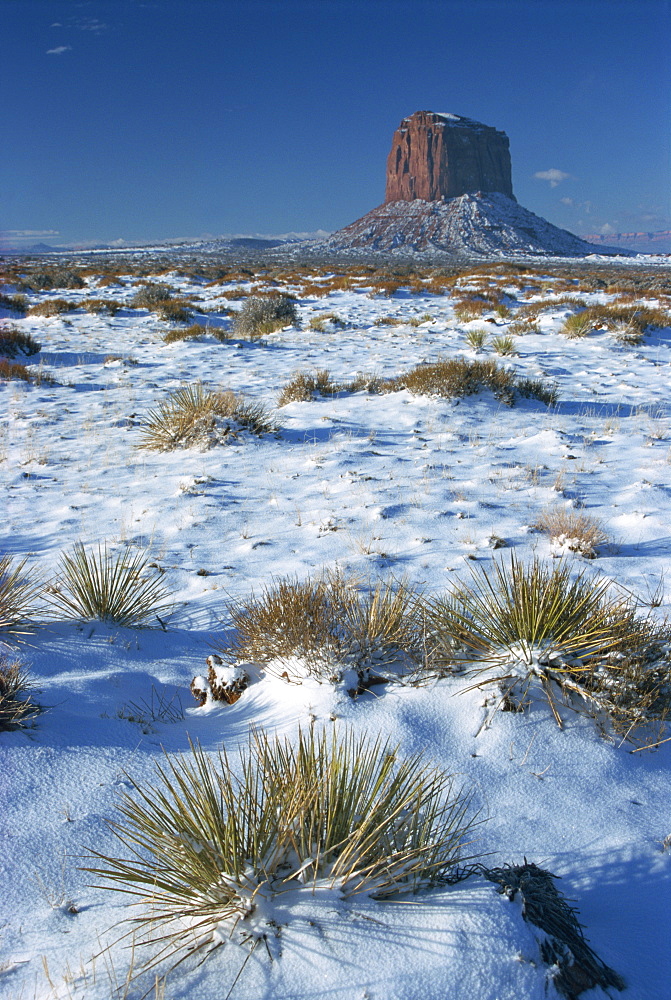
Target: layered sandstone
<point x="439" y="156"/>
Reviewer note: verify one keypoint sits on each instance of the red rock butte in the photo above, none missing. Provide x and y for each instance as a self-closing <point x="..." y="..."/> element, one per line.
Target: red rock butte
<point x="439" y="156"/>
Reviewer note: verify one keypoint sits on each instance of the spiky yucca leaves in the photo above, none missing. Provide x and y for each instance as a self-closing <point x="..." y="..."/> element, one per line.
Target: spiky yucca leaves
<point x="97" y="585"/>
<point x="536" y="625"/>
<point x="207" y="851"/>
<point x="196" y="416"/>
<point x="16" y="708"/>
<point x="329" y="627"/>
<point x="19" y="592"/>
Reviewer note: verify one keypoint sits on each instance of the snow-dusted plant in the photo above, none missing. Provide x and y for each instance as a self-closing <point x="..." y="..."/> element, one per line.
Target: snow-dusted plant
<point x="212" y="855"/>
<point x="477" y="339"/>
<point x="194" y="416"/>
<point x="98" y="585"/>
<point x="263" y="314"/>
<point x="571" y="531"/>
<point x="539" y="628"/>
<point x="16" y="708"/>
<point x="326" y="627"/>
<point x="19" y="592"/>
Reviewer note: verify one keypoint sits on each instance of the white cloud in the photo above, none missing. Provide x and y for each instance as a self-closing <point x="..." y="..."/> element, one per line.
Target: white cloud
<point x="607" y="229"/>
<point x="567" y="201"/>
<point x="552" y="175"/>
<point x="59" y="50"/>
<point x="31" y="232"/>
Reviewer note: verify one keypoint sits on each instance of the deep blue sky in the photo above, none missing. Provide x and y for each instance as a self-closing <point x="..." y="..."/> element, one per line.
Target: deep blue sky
<point x="152" y="119"/>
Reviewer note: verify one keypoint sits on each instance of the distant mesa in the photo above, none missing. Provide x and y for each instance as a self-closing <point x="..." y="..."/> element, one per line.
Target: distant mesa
<point x="449" y="191"/>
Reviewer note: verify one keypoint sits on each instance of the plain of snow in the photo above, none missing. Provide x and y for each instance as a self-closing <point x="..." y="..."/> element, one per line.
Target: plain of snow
<point x="384" y="486"/>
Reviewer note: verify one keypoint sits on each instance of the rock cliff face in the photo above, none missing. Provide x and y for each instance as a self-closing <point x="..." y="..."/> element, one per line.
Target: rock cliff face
<point x="438" y="156"/>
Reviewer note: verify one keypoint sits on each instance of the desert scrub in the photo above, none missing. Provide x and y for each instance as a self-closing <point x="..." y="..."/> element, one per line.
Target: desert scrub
<point x="469" y="309"/>
<point x="52" y="307"/>
<point x="15" y="303"/>
<point x="44" y="279"/>
<point x="150" y="295"/>
<point x="16" y="707"/>
<point x="458" y="377"/>
<point x="325" y="322"/>
<point x="194" y="332"/>
<point x="305" y="386"/>
<point x="13" y="342"/>
<point x="19" y="597"/>
<point x="198" y="417"/>
<point x="9" y="371"/>
<point x="529" y="630"/>
<point x="571" y="531"/>
<point x="95" y="584"/>
<point x="109" y="306"/>
<point x="264" y="314"/>
<point x="209" y="851"/>
<point x="326" y="628"/>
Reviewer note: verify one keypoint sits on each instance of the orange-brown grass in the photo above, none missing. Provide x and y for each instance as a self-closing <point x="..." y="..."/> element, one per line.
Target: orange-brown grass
<point x="110" y="306"/>
<point x="51" y="307"/>
<point x="13" y="342"/>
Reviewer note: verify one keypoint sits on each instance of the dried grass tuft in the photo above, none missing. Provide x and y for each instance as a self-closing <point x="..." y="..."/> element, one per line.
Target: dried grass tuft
<point x="571" y="531"/>
<point x="16" y="707"/>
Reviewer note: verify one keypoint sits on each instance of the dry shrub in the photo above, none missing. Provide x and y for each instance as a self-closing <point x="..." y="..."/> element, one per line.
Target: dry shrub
<point x="538" y="630"/>
<point x="326" y="321"/>
<point x="44" y="279"/>
<point x="208" y="849"/>
<point x="175" y="310"/>
<point x="15" y="303"/>
<point x="195" y="331"/>
<point x="467" y="309"/>
<point x="389" y="321"/>
<point x="16" y="708"/>
<point x="109" y="306"/>
<point x="457" y="377"/>
<point x="197" y="417"/>
<point x="150" y="295"/>
<point x="326" y="628"/>
<point x="571" y="531"/>
<point x="264" y="314"/>
<point x="304" y="386"/>
<point x="9" y="370"/>
<point x="51" y="307"/>
<point x="628" y="323"/>
<point x="13" y="342"/>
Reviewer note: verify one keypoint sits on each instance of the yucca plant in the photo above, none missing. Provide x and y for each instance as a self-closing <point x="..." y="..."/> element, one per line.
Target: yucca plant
<point x="208" y="852"/>
<point x="16" y="708"/>
<point x="194" y="416"/>
<point x="476" y="339"/>
<point x="98" y="585"/>
<point x="19" y="593"/>
<point x="504" y="345"/>
<point x="528" y="626"/>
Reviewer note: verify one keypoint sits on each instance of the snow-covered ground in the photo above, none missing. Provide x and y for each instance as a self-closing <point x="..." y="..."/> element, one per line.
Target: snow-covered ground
<point x="378" y="486"/>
